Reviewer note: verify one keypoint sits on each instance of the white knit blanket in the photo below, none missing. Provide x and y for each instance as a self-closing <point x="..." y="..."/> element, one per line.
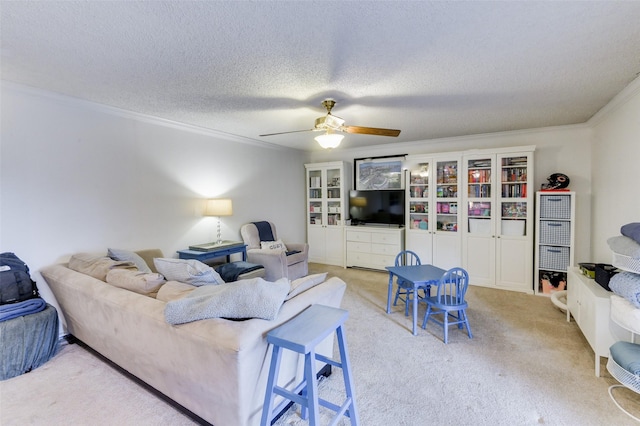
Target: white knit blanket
<point x="251" y="298"/>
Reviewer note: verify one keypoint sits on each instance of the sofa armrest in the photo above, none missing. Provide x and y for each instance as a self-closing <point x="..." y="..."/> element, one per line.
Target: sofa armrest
<point x="274" y="262"/>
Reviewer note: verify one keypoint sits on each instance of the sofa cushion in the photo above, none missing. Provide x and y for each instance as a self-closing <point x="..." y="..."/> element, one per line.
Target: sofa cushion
<point x="148" y="255"/>
<point x="126" y="255"/>
<point x="145" y="283"/>
<point x="273" y="245"/>
<point x="189" y="271"/>
<point x="173" y="290"/>
<point x="305" y="283"/>
<point x="96" y="266"/>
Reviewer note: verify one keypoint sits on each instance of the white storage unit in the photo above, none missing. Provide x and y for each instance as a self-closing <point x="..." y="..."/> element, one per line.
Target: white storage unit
<point x="327" y="204"/>
<point x="373" y="247"/>
<point x="433" y="201"/>
<point x="589" y="304"/>
<point x="497" y="218"/>
<point x="555" y="234"/>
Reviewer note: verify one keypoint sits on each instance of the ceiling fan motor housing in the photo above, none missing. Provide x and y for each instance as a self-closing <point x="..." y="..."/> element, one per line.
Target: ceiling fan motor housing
<point x="329" y="122"/>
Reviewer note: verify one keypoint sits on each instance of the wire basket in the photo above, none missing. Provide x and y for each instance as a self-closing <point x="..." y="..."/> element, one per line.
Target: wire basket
<point x="555" y="206"/>
<point x="554" y="258"/>
<point x="555" y="232"/>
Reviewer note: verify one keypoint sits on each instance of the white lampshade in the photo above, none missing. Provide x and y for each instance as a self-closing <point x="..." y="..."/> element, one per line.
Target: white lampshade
<point x="329" y="140"/>
<point x="219" y="207"/>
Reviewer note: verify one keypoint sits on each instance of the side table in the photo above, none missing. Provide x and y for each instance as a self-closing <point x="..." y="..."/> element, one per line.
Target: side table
<point x="225" y="250"/>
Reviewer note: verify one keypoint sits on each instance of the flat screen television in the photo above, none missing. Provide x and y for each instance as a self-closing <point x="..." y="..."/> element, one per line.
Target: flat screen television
<point x="382" y="207"/>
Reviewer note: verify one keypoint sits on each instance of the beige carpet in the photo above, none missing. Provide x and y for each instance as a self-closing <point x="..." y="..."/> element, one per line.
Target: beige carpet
<point x="524" y="366"/>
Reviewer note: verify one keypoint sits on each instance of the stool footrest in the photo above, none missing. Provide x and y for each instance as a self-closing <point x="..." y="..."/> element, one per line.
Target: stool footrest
<point x="327" y="360"/>
<point x="293" y="395"/>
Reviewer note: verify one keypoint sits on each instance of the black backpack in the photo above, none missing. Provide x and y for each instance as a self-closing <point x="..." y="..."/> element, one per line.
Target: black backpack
<point x="16" y="284"/>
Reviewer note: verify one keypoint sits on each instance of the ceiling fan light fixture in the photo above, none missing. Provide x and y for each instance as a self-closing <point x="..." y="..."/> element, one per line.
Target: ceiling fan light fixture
<point x="329" y="140"/>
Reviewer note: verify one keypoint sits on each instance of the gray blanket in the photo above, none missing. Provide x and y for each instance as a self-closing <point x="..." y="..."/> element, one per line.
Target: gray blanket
<point x="251" y="298"/>
<point x="625" y="246"/>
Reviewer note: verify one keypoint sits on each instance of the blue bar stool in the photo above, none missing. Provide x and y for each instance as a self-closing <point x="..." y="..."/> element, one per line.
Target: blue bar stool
<point x="302" y="334"/>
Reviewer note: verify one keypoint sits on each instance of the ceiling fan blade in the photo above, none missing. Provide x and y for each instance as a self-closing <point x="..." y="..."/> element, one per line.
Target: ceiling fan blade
<point x="371" y="131"/>
<point x="293" y="131"/>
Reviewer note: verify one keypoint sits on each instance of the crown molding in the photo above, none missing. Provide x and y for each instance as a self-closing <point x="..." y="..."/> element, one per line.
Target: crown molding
<point x="628" y="93"/>
<point x="143" y="118"/>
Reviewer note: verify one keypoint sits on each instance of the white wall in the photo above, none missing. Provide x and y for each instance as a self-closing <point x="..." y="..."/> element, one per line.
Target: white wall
<point x="565" y="149"/>
<point x="78" y="177"/>
<point x="615" y="169"/>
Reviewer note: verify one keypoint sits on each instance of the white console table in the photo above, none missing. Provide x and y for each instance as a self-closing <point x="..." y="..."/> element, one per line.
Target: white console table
<point x="590" y="306"/>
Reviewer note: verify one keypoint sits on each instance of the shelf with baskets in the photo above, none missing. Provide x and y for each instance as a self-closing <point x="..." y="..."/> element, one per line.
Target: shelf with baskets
<point x="555" y="235"/>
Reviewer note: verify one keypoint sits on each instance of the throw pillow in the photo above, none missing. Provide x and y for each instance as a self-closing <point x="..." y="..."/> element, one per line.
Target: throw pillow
<point x="143" y="283"/>
<point x="126" y="255"/>
<point x="305" y="283"/>
<point x="273" y="245"/>
<point x="189" y="271"/>
<point x="95" y="265"/>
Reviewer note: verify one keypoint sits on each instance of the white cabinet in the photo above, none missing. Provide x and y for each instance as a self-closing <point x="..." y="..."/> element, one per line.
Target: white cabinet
<point x="497" y="218"/>
<point x="589" y="304"/>
<point x="555" y="234"/>
<point x="432" y="203"/>
<point x="327" y="191"/>
<point x="373" y="247"/>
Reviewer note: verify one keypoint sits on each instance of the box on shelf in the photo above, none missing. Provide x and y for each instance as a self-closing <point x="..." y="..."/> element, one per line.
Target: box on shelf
<point x="588" y="269"/>
<point x="512" y="227"/>
<point x="480" y="226"/>
<point x="603" y="273"/>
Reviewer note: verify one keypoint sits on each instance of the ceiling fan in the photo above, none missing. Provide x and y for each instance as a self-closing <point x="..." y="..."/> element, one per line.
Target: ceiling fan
<point x="331" y="123"/>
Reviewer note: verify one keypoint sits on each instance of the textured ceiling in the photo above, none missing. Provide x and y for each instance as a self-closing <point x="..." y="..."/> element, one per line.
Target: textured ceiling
<point x="431" y="69"/>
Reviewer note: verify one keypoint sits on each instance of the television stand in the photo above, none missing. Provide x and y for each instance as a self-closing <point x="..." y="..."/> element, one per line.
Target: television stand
<point x="373" y="246"/>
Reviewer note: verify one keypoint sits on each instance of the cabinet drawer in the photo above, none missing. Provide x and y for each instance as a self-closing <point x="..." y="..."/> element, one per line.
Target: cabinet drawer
<point x="387" y="249"/>
<point x="555" y="232"/>
<point x="358" y="259"/>
<point x="358" y="246"/>
<point x="386" y="238"/>
<point x="554" y="258"/>
<point x="382" y="260"/>
<point x="358" y="236"/>
<point x="555" y="206"/>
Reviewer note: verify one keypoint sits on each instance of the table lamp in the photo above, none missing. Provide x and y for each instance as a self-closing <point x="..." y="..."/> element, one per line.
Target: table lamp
<point x="219" y="207"/>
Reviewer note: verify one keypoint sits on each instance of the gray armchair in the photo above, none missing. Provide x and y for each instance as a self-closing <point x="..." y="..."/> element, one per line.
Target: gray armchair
<point x="277" y="264"/>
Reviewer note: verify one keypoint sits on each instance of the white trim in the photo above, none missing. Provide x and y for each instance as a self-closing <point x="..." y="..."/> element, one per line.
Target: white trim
<point x="628" y="93"/>
<point x="143" y="118"/>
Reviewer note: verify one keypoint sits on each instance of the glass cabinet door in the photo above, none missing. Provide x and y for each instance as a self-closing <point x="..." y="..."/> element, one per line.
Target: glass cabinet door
<point x="334" y="197"/>
<point x="419" y="197"/>
<point x="479" y="192"/>
<point x="447" y="196"/>
<point x="513" y="201"/>
<point x="315" y="195"/>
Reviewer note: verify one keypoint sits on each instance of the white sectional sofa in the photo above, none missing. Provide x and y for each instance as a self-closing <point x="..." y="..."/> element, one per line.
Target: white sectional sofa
<point x="215" y="368"/>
